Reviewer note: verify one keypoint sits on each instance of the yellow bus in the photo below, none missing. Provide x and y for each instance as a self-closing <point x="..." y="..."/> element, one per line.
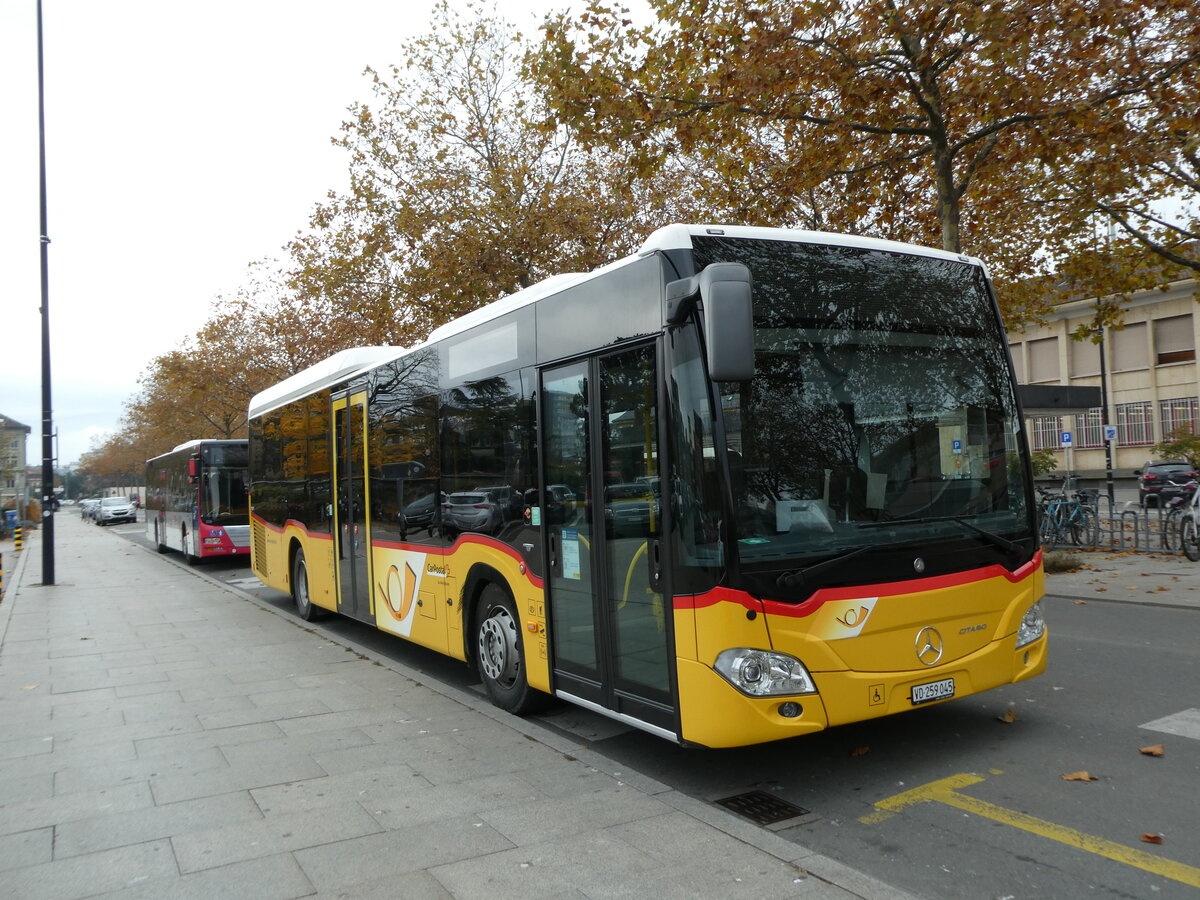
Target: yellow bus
<point x="743" y="485"/>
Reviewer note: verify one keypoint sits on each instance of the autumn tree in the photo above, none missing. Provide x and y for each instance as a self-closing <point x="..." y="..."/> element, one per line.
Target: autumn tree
<point x="460" y="194"/>
<point x="933" y="122"/>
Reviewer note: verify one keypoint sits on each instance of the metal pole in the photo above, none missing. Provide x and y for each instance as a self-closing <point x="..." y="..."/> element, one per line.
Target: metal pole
<point x="1108" y="467"/>
<point x="47" y="418"/>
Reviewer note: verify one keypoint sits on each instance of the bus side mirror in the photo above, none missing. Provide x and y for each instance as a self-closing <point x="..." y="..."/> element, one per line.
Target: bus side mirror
<point x="192" y="471"/>
<point x="728" y="321"/>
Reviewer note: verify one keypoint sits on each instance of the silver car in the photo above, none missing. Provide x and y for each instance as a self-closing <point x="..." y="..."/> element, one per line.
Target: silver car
<point x="115" y="509"/>
<point x="472" y="511"/>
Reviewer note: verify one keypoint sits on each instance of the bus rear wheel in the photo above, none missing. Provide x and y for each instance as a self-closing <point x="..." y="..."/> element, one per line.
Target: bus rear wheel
<point x="158" y="543"/>
<point x="304" y="605"/>
<point x="498" y="653"/>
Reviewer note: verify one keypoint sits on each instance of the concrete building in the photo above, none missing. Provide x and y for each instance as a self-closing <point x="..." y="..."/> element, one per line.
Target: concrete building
<point x="12" y="462"/>
<point x="1147" y="370"/>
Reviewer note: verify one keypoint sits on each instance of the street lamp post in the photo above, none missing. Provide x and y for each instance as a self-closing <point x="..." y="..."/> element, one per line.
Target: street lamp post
<point x="1108" y="462"/>
<point x="47" y="417"/>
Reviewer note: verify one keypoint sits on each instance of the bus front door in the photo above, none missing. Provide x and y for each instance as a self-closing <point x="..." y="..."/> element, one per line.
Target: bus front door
<point x="351" y="525"/>
<point x="611" y="633"/>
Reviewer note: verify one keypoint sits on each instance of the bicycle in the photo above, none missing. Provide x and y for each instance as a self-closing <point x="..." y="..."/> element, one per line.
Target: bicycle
<point x="1064" y="518"/>
<point x="1189" y="527"/>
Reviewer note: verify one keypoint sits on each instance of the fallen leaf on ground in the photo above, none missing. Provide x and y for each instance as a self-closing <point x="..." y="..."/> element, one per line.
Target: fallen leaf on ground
<point x="1101" y="590"/>
<point x="1080" y="776"/>
<point x="1152" y="838"/>
<point x="1009" y="717"/>
<point x="1152" y="750"/>
<point x="28" y="687"/>
<point x="860" y="751"/>
<point x="1084" y="602"/>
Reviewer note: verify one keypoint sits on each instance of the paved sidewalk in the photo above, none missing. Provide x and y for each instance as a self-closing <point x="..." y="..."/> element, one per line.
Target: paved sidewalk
<point x="1162" y="579"/>
<point x="167" y="736"/>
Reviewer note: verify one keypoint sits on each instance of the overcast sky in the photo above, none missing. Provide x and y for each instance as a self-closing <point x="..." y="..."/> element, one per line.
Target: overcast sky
<point x="184" y="141"/>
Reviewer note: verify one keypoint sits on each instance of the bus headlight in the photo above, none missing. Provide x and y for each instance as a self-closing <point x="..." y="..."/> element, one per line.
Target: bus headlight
<point x="1033" y="626"/>
<point x="764" y="673"/>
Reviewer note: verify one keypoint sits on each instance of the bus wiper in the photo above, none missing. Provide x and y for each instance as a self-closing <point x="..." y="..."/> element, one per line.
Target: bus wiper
<point x="996" y="540"/>
<point x="793" y="577"/>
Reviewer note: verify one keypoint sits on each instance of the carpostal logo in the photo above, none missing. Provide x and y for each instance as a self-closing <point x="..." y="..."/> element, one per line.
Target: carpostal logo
<point x="850" y="617"/>
<point x="399" y="591"/>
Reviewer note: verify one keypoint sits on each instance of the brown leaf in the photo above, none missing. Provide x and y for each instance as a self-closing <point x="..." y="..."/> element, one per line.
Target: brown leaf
<point x="1152" y="750"/>
<point x="1080" y="776"/>
<point x="1084" y="602"/>
<point x="1009" y="716"/>
<point x="860" y="751"/>
<point x="1152" y="838"/>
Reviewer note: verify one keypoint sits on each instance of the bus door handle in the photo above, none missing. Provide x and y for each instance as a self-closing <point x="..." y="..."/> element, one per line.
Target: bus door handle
<point x="655" y="560"/>
<point x="554" y="551"/>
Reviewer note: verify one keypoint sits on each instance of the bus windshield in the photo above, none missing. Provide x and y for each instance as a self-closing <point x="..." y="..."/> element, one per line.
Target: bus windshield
<point x="881" y="412"/>
<point x="223" y="497"/>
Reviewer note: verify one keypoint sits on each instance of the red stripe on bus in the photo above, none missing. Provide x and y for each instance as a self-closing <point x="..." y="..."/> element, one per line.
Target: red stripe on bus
<point x="830" y="595"/>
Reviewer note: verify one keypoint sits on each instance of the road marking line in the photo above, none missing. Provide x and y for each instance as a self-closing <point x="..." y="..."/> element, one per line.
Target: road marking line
<point x="945" y="791"/>
<point x="1183" y="724"/>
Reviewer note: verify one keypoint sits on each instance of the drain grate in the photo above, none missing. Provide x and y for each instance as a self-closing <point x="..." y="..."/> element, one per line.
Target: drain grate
<point x="762" y="808"/>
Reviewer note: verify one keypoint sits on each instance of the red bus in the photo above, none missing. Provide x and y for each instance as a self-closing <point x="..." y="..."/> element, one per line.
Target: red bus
<point x="196" y="500"/>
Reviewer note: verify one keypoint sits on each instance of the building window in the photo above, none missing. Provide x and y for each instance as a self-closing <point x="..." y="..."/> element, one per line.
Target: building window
<point x="1046" y="432"/>
<point x="1178" y="415"/>
<point x="1090" y="430"/>
<point x="1173" y="340"/>
<point x="1043" y="360"/>
<point x="1018" y="360"/>
<point x="1135" y="426"/>
<point x="1085" y="357"/>
<point x="1129" y="347"/>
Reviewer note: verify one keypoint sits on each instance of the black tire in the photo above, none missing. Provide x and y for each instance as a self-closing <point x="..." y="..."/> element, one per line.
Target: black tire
<point x="158" y="544"/>
<point x="304" y="605"/>
<point x="1084" y="529"/>
<point x="1172" y="530"/>
<point x="1189" y="537"/>
<point x="498" y="652"/>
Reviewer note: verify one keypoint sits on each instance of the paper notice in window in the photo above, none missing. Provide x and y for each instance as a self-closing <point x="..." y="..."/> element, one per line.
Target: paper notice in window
<point x="570" y="554"/>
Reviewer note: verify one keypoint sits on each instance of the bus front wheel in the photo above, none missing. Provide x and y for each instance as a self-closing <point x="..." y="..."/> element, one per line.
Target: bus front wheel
<point x="304" y="604"/>
<point x="498" y="652"/>
<point x="188" y="556"/>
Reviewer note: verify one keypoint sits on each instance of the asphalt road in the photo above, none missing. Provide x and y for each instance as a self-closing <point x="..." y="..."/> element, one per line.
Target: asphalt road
<point x="950" y="801"/>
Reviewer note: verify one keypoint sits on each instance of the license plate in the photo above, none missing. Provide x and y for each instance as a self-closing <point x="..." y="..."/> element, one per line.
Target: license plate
<point x="933" y="690"/>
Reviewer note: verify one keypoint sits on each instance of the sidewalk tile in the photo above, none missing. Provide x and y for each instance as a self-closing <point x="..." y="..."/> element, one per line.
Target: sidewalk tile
<point x="26" y="848"/>
<point x="85" y="876"/>
<point x="151" y="823"/>
<point x="208" y="848"/>
<point x="394" y="854"/>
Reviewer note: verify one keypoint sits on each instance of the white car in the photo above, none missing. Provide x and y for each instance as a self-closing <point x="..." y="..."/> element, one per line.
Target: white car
<point x="115" y="509"/>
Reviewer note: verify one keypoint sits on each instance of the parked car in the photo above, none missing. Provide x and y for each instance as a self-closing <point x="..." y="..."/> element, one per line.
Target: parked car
<point x="472" y="511"/>
<point x="115" y="509"/>
<point x="87" y="508"/>
<point x="507" y="498"/>
<point x="1160" y="482"/>
<point x="628" y="508"/>
<point x="421" y="512"/>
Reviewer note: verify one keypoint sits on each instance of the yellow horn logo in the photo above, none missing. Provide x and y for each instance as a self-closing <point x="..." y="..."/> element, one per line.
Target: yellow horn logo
<point x="853" y="618"/>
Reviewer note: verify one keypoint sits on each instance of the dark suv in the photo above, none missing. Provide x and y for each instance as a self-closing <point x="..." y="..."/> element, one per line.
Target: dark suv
<point x="1160" y="482"/>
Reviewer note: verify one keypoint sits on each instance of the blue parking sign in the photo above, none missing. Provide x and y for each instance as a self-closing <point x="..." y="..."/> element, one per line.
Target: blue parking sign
<point x="1066" y="439"/>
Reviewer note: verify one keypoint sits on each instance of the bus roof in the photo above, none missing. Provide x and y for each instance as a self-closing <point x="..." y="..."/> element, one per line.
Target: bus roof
<point x="329" y="371"/>
<point x="679" y="237"/>
<point x="347" y="363"/>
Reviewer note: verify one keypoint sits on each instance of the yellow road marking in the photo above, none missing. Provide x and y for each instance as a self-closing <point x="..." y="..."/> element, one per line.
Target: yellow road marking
<point x="946" y="792"/>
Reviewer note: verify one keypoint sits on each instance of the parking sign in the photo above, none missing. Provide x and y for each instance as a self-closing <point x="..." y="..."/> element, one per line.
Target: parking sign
<point x="1065" y="439"/>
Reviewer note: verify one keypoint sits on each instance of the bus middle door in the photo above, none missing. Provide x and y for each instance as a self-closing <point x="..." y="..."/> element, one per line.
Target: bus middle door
<point x="351" y="522"/>
<point x="611" y="633"/>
